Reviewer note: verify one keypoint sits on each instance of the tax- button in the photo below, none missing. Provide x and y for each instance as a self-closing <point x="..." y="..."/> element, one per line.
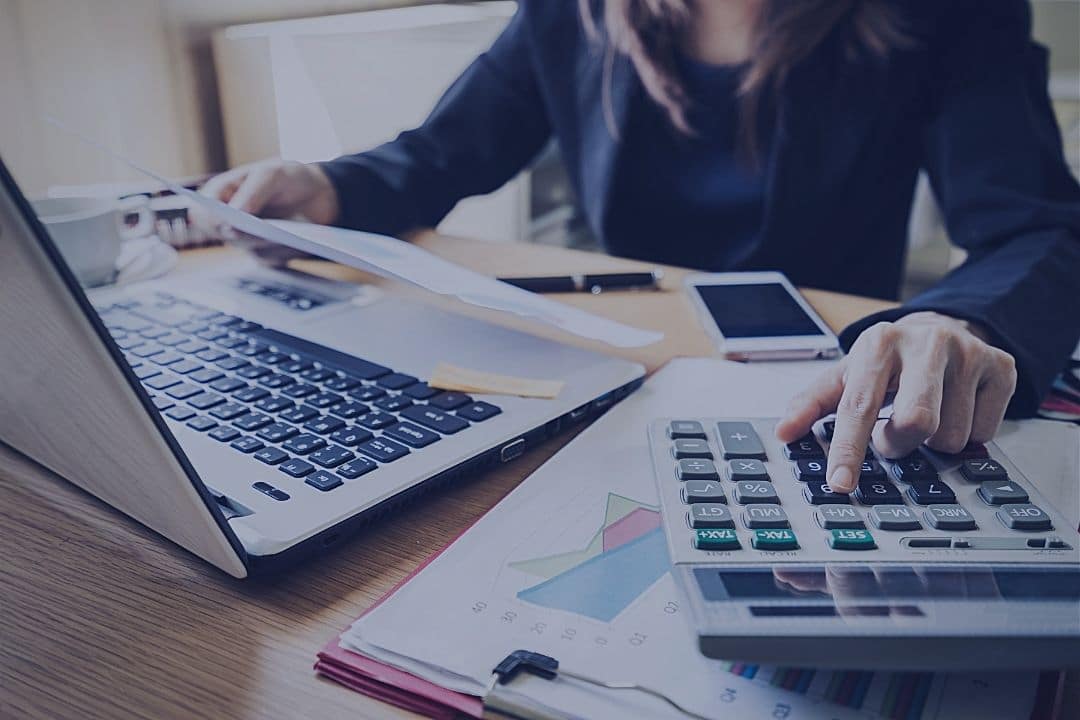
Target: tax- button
<point x="1024" y="517"/>
<point x="710" y="515"/>
<point x="995" y="492"/>
<point x="696" y="469"/>
<point x="851" y="540"/>
<point x="774" y="540"/>
<point x="719" y="539"/>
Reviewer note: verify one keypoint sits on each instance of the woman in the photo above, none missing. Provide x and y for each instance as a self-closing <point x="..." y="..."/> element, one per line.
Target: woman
<point x="766" y="134"/>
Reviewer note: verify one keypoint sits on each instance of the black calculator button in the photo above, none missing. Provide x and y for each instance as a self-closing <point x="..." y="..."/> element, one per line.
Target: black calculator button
<point x="739" y="440"/>
<point x="819" y="493"/>
<point x="703" y="491"/>
<point x="828" y="428"/>
<point x="837" y="517"/>
<point x="871" y="470"/>
<point x="805" y="448"/>
<point x="739" y="470"/>
<point x="749" y="492"/>
<point x="710" y="515"/>
<point x="686" y="429"/>
<point x="949" y="517"/>
<point x="696" y="469"/>
<point x="983" y="470"/>
<point x="810" y="470"/>
<point x="894" y="517"/>
<point x="1024" y="516"/>
<point x="764" y="516"/>
<point x="914" y="467"/>
<point x="931" y="492"/>
<point x="691" y="448"/>
<point x="878" y="492"/>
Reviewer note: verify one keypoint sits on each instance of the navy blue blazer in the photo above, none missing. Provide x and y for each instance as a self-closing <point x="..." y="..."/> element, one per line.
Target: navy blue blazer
<point x="967" y="102"/>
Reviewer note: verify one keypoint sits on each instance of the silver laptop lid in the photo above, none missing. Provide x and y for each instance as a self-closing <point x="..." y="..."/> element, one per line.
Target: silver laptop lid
<point x="70" y="402"/>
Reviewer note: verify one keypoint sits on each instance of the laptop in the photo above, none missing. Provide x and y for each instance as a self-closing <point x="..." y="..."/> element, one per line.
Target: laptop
<point x="257" y="417"/>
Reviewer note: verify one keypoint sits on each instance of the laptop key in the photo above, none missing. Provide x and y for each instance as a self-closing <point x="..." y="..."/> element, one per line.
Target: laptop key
<point x="206" y="375"/>
<point x="478" y="411"/>
<point x="395" y="403"/>
<point x="299" y="390"/>
<point x="356" y="468"/>
<point x="332" y="456"/>
<point x="434" y="419"/>
<point x="232" y="363"/>
<point x="396" y="381"/>
<point x="450" y="400"/>
<point x="201" y="423"/>
<point x="295" y="365"/>
<point x="228" y="411"/>
<point x="211" y="355"/>
<point x="228" y="385"/>
<point x="166" y="380"/>
<point x="191" y="347"/>
<point x="183" y="391"/>
<point x="377" y="420"/>
<point x="246" y="444"/>
<point x="172" y="339"/>
<point x="272" y="358"/>
<point x="304" y="444"/>
<point x="180" y="413"/>
<point x="167" y="358"/>
<point x="271" y="456"/>
<point x="274" y="404"/>
<point x="317" y="374"/>
<point x="350" y="364"/>
<point x="341" y="384"/>
<point x="253" y="372"/>
<point x="351" y="436"/>
<point x="251" y="349"/>
<point x="324" y="425"/>
<point x="350" y="410"/>
<point x="147" y="349"/>
<point x="277" y="432"/>
<point x="224" y="433"/>
<point x="411" y="435"/>
<point x="323" y="480"/>
<point x="296" y="467"/>
<point x="383" y="450"/>
<point x="324" y="400"/>
<point x="205" y="400"/>
<point x="367" y="393"/>
<point x="252" y="421"/>
<point x="420" y="391"/>
<point x="299" y="414"/>
<point x="251" y="394"/>
<point x="185" y="366"/>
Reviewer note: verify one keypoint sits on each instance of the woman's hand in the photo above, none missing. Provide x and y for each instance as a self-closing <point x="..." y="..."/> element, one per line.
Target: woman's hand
<point x="272" y="188"/>
<point x="951" y="387"/>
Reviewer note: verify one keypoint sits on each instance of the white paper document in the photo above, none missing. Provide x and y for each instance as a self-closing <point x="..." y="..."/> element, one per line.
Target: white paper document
<point x="536" y="573"/>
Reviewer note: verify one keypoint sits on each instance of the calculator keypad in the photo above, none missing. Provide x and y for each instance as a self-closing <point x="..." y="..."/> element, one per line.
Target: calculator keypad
<point x="745" y="495"/>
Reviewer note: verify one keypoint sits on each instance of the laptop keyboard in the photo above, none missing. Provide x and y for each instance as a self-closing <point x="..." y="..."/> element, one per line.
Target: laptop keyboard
<point x="317" y="414"/>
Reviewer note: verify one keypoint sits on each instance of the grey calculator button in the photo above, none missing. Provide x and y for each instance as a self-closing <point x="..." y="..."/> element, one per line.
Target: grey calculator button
<point x="703" y="491"/>
<point x="764" y="516"/>
<point x="691" y="448"/>
<point x="747" y="469"/>
<point x="894" y="517"/>
<point x="739" y="440"/>
<point x="949" y="517"/>
<point x="696" y="469"/>
<point x="840" y="517"/>
<point x="710" y="515"/>
<point x="998" y="492"/>
<point x="755" y="491"/>
<point x="679" y="429"/>
<point x="1024" y="516"/>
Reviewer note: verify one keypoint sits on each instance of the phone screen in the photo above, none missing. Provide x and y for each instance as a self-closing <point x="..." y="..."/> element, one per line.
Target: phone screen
<point x="756" y="310"/>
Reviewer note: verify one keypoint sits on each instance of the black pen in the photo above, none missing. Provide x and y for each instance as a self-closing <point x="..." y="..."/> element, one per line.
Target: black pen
<point x="588" y="283"/>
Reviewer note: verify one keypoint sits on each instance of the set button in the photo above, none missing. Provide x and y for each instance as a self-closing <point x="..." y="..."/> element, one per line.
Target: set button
<point x="851" y="540"/>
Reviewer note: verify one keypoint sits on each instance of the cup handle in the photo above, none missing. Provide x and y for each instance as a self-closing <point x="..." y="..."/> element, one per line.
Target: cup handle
<point x="139" y="204"/>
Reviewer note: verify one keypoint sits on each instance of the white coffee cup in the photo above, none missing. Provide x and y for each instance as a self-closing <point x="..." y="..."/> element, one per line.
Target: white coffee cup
<point x="90" y="232"/>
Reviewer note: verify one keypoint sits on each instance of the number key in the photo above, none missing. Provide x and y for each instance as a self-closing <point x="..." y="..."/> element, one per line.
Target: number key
<point x="878" y="492"/>
<point x="804" y="448"/>
<point x="931" y="492"/>
<point x="819" y="493"/>
<point x="810" y="470"/>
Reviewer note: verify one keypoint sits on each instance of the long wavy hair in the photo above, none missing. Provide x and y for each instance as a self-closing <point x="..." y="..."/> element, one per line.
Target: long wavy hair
<point x="785" y="33"/>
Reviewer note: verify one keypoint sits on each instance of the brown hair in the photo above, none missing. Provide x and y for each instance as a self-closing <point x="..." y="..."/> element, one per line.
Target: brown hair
<point x="785" y="33"/>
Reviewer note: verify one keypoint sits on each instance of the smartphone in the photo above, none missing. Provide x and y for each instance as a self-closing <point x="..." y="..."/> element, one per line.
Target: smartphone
<point x="760" y="316"/>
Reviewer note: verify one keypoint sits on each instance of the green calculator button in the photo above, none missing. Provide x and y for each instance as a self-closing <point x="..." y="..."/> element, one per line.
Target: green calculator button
<point x="851" y="540"/>
<point x="774" y="540"/>
<point x="716" y="539"/>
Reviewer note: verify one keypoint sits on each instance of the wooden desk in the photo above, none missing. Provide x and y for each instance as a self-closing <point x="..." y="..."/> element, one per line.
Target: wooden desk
<point x="101" y="618"/>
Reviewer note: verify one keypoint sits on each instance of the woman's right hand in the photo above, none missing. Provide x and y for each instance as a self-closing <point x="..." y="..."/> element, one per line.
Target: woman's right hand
<point x="278" y="189"/>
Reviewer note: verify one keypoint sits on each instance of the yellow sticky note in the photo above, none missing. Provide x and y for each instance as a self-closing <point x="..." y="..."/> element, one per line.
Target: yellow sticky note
<point x="451" y="377"/>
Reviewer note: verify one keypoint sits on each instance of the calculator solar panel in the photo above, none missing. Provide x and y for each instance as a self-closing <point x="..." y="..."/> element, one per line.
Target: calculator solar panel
<point x="934" y="561"/>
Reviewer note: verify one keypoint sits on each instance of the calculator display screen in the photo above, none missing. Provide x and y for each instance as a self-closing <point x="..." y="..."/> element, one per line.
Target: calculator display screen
<point x="756" y="310"/>
<point x="890" y="582"/>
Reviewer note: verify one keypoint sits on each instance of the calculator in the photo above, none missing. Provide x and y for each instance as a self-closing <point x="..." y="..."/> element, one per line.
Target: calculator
<point x="935" y="561"/>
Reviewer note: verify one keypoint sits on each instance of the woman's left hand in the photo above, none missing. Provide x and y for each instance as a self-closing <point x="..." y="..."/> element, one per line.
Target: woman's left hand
<point x="951" y="387"/>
